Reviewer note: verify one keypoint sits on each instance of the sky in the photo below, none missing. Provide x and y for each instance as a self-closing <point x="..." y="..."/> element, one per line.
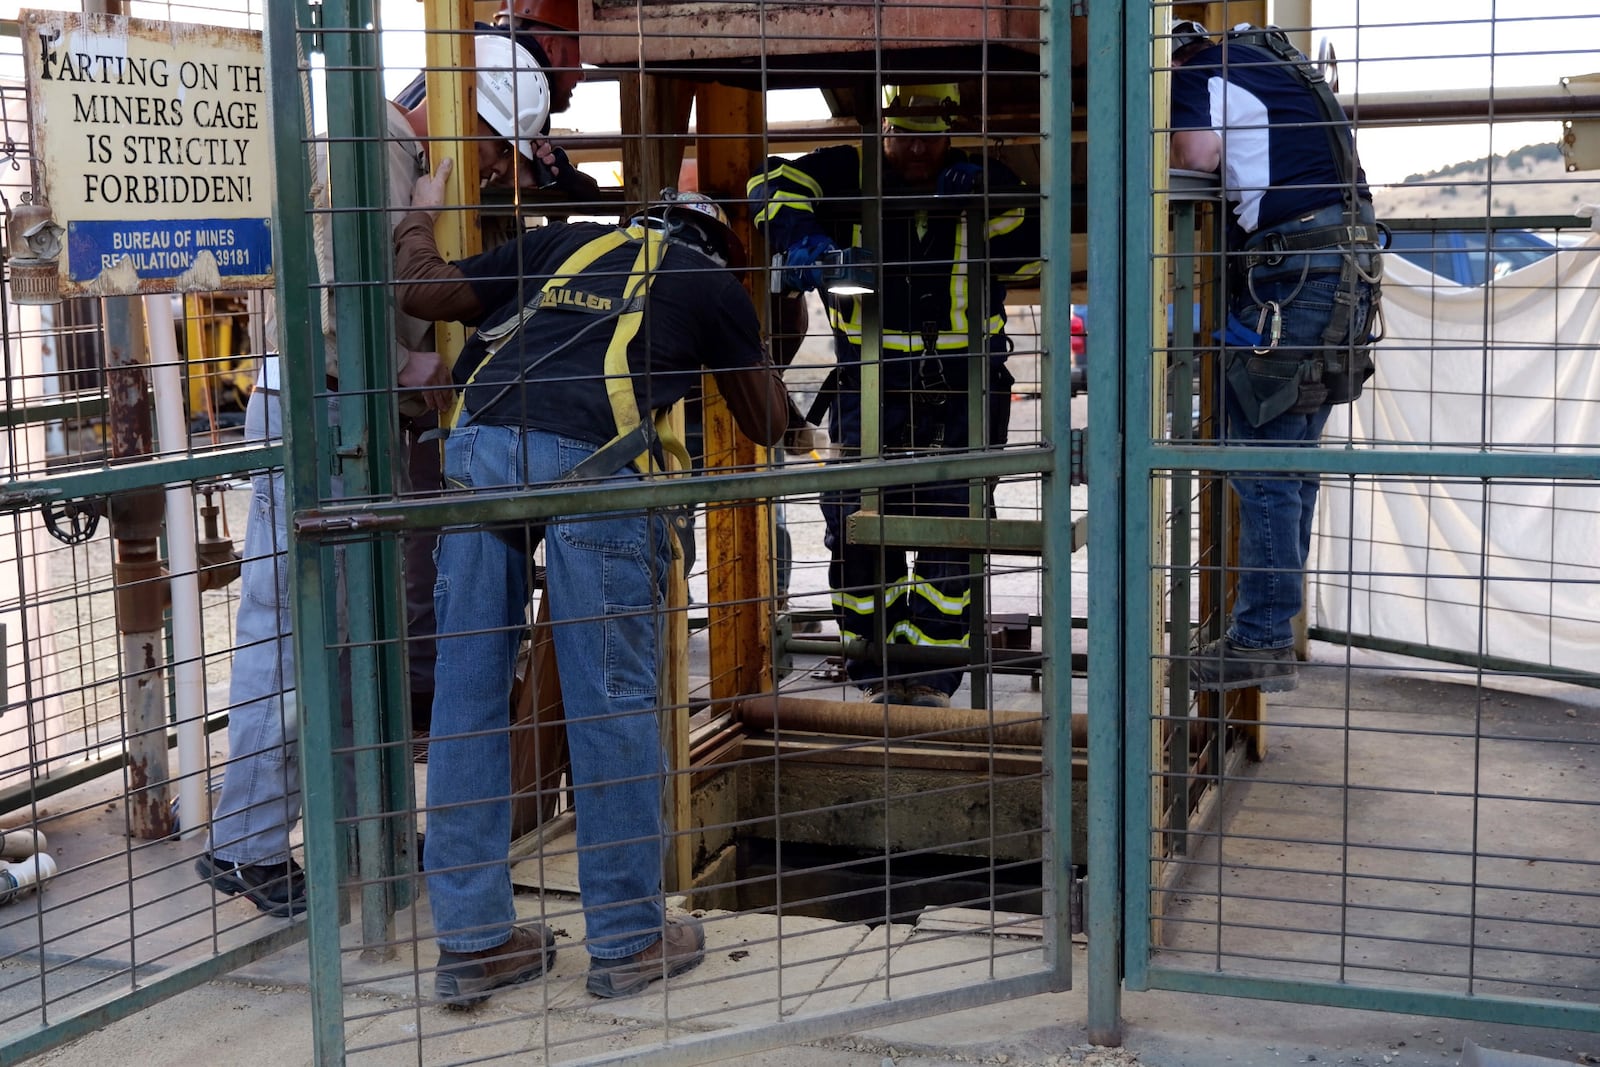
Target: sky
<point x="1390" y="46"/>
<point x="1383" y="46"/>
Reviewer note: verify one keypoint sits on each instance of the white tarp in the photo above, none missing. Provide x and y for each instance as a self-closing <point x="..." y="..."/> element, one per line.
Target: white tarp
<point x="1505" y="569"/>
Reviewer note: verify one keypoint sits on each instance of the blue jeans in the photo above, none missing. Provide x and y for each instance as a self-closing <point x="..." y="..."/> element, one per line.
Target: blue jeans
<point x="260" y="799"/>
<point x="1276" y="509"/>
<point x="606" y="581"/>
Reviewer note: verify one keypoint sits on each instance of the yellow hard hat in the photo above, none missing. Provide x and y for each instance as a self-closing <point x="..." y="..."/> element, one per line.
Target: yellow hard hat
<point x="943" y="95"/>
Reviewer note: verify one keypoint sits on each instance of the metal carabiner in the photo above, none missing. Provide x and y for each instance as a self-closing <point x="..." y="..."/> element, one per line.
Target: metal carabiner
<point x="1269" y="326"/>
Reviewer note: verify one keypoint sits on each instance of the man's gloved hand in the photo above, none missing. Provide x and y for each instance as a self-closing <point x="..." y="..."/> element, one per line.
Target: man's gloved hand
<point x="561" y="174"/>
<point x="959" y="179"/>
<point x="802" y="268"/>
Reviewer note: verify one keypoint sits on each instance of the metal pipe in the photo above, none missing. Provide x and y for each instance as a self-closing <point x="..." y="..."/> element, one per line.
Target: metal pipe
<point x="188" y="669"/>
<point x="1521" y="102"/>
<point x="135" y="527"/>
<point x="854" y="718"/>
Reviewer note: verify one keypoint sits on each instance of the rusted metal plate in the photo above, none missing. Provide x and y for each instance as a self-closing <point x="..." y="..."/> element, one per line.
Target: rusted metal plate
<point x="155" y="154"/>
<point x="633" y="31"/>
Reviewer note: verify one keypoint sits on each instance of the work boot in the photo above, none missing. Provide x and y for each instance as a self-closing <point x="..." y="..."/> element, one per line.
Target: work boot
<point x="680" y="949"/>
<point x="275" y="888"/>
<point x="467" y="978"/>
<point x="1222" y="666"/>
<point x="924" y="696"/>
<point x="882" y="693"/>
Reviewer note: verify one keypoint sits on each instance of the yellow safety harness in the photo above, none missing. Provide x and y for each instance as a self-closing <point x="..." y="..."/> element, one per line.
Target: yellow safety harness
<point x="635" y="439"/>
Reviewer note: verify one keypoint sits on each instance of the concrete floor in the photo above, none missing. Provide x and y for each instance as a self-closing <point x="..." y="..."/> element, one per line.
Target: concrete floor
<point x="1346" y="854"/>
<point x="1409" y="829"/>
<point x="263" y="1015"/>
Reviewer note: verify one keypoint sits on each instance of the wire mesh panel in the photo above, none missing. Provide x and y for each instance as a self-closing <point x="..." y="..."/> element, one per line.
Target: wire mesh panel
<point x="127" y="491"/>
<point x="1362" y="766"/>
<point x="742" y="714"/>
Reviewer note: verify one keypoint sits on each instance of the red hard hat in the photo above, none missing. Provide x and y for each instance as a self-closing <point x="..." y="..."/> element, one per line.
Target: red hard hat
<point x="561" y="14"/>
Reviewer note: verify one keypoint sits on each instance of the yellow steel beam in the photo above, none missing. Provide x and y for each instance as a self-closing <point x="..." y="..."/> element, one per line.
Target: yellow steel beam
<point x="452" y="120"/>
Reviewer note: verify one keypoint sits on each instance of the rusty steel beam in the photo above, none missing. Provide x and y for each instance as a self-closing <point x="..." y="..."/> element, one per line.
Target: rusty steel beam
<point x="855" y="718"/>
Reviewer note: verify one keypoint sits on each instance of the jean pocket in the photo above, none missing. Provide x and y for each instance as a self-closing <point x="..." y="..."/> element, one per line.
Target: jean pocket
<point x="632" y="639"/>
<point x="458" y="449"/>
<point x="264" y="578"/>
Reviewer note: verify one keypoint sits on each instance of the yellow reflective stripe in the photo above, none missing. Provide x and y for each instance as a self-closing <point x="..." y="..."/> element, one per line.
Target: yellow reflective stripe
<point x="781" y="201"/>
<point x="850" y="324"/>
<point x="858" y="605"/>
<point x="1000" y="225"/>
<point x="787" y="173"/>
<point x="909" y="634"/>
<point x="960" y="293"/>
<point x="948" y="343"/>
<point x="866" y="605"/>
<point x="942" y="602"/>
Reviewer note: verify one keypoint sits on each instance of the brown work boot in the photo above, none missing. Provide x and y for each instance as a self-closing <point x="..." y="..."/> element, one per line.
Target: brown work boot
<point x="882" y="693"/>
<point x="467" y="978"/>
<point x="680" y="949"/>
<point x="924" y="696"/>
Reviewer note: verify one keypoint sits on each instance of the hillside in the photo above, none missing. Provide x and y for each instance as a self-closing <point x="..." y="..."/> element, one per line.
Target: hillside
<point x="1529" y="181"/>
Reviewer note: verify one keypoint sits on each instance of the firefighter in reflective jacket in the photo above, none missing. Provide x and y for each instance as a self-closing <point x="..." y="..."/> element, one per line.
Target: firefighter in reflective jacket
<point x="947" y="217"/>
<point x="584" y="332"/>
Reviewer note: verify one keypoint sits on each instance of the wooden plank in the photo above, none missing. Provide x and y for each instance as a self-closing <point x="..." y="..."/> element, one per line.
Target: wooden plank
<point x="729" y="124"/>
<point x="675" y="710"/>
<point x="655" y="116"/>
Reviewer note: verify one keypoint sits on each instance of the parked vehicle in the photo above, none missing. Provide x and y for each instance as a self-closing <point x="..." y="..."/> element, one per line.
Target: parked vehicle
<point x="1080" y="352"/>
<point x="1470" y="256"/>
<point x="1464" y="256"/>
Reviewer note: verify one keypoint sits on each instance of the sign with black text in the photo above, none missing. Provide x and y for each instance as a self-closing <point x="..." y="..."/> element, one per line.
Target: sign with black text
<point x="153" y="151"/>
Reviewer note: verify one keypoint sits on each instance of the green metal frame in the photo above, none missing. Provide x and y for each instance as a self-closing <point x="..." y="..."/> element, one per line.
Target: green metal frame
<point x="1118" y="228"/>
<point x="310" y="567"/>
<point x="360" y="532"/>
<point x="1121" y="242"/>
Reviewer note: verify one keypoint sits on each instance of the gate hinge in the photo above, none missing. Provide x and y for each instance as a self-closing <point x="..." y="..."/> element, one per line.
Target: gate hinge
<point x="1077" y="449"/>
<point x="313" y="26"/>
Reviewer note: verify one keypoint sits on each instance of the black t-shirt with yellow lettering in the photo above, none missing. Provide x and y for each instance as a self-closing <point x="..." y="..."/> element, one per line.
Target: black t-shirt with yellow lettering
<point x="550" y="374"/>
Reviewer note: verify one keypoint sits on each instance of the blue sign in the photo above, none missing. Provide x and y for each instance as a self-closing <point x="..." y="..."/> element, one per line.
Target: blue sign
<point x="165" y="248"/>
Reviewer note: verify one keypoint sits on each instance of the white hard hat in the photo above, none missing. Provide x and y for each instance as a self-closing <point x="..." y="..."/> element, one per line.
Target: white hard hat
<point x="513" y="93"/>
<point x="673" y="212"/>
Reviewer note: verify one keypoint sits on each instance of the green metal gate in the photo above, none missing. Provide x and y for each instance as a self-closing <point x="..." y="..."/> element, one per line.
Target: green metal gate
<point x="371" y="988"/>
<point x="1396" y="834"/>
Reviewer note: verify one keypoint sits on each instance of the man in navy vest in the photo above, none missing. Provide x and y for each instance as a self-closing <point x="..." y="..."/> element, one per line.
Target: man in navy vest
<point x="1302" y="288"/>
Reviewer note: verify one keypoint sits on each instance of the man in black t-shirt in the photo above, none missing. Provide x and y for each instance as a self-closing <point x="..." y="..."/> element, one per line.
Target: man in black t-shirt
<point x="585" y="331"/>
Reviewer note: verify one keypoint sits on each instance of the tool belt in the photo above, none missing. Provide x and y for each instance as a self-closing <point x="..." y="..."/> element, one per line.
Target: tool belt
<point x="1269" y="381"/>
